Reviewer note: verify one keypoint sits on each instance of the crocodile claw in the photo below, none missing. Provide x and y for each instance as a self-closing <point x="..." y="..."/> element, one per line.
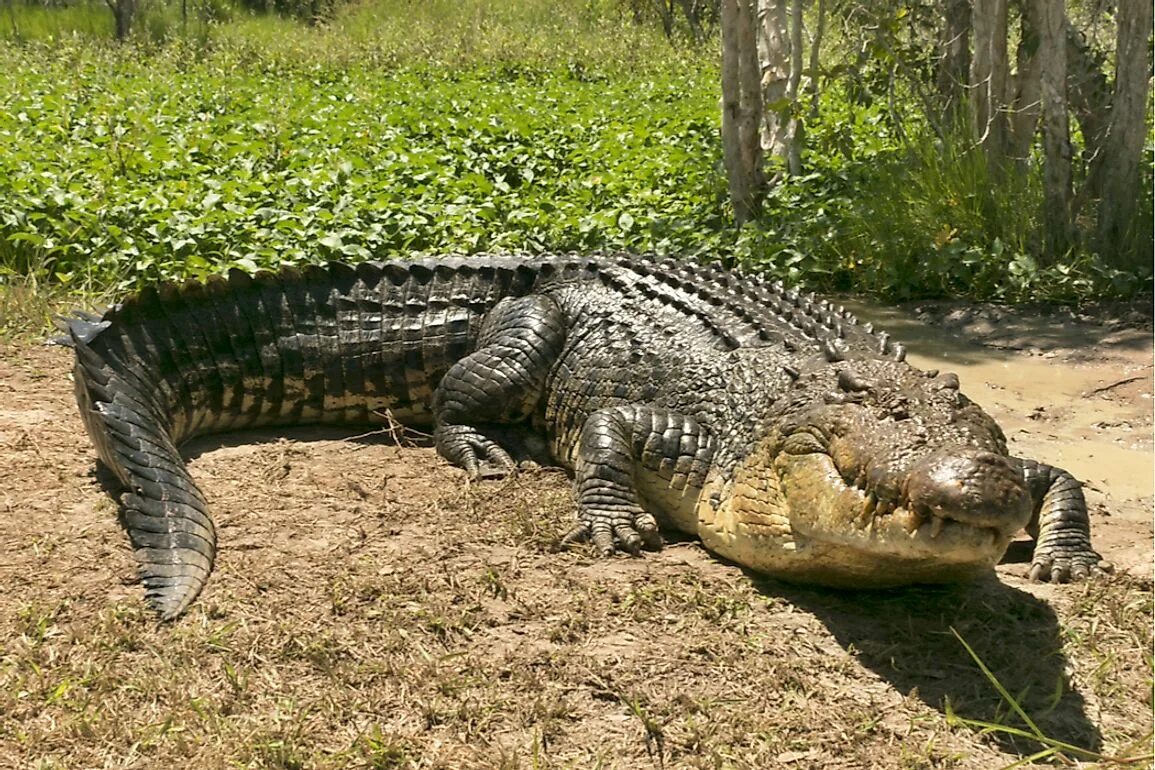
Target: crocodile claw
<point x="1068" y="568"/>
<point x="615" y="531"/>
<point x="469" y="448"/>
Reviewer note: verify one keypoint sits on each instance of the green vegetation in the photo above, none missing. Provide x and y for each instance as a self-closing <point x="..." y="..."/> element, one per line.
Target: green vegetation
<point x="466" y="126"/>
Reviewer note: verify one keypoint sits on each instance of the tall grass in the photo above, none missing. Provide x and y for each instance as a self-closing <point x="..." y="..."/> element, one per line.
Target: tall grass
<point x="434" y="33"/>
<point x="156" y="22"/>
<point x="934" y="219"/>
<point x="36" y="23"/>
<point x="937" y="219"/>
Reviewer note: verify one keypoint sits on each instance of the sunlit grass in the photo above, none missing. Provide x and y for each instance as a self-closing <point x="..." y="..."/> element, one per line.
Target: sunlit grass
<point x="25" y="23"/>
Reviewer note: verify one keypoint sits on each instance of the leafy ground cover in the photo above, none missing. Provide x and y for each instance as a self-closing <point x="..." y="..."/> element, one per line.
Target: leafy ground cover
<point x="464" y="127"/>
<point x="118" y="173"/>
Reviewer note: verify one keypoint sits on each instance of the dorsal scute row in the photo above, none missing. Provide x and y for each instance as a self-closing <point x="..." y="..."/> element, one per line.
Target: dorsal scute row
<point x="757" y="311"/>
<point x="741" y="308"/>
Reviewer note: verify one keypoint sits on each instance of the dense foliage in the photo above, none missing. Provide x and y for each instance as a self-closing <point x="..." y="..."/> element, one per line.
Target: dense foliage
<point x="463" y="128"/>
<point x="134" y="176"/>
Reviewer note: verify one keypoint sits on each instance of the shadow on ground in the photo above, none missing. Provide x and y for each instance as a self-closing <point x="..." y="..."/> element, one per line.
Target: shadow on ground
<point x="905" y="636"/>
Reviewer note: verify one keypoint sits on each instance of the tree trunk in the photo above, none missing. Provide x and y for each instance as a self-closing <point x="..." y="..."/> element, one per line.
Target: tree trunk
<point x="691" y="14"/>
<point x="1052" y="62"/>
<point x="1026" y="91"/>
<point x="1123" y="149"/>
<point x="775" y="56"/>
<point x="954" y="61"/>
<point x="1087" y="91"/>
<point x="122" y="13"/>
<point x="741" y="109"/>
<point x="815" y="61"/>
<point x="989" y="79"/>
<point x="1089" y="99"/>
<point x="794" y="150"/>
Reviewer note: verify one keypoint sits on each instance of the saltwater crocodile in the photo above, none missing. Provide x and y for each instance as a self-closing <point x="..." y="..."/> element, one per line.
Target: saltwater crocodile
<point x="790" y="438"/>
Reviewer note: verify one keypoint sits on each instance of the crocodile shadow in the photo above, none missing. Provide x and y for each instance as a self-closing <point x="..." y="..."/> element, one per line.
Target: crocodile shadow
<point x="905" y="636"/>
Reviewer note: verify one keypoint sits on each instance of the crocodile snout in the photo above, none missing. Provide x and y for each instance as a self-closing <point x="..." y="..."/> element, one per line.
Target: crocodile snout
<point x="972" y="486"/>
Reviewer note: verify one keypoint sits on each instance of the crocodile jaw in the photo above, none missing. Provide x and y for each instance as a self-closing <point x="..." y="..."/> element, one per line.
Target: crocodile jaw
<point x="792" y="516"/>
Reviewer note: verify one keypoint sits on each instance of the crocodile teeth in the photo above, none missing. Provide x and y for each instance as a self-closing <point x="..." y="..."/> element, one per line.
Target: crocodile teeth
<point x="867" y="516"/>
<point x="936" y="525"/>
<point x="911" y="525"/>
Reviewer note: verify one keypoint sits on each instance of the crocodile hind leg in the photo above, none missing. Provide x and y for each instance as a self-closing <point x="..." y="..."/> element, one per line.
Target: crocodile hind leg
<point x="1060" y="526"/>
<point x="623" y="449"/>
<point x="497" y="385"/>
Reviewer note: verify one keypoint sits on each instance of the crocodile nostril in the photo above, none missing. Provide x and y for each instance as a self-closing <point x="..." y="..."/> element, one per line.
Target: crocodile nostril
<point x="973" y="486"/>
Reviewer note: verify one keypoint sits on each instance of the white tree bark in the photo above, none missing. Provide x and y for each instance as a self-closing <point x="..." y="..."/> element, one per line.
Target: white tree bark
<point x="1123" y="148"/>
<point x="741" y="109"/>
<point x="779" y="87"/>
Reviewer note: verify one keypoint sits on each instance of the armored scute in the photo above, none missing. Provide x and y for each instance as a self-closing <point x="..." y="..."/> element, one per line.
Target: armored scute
<point x="788" y="437"/>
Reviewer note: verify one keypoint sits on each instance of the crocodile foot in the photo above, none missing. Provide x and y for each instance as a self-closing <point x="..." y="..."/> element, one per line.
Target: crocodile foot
<point x="481" y="456"/>
<point x="1059" y="565"/>
<point x="615" y="529"/>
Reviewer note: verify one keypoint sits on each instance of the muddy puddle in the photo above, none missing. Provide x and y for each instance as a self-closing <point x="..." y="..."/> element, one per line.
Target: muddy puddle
<point x="1078" y="396"/>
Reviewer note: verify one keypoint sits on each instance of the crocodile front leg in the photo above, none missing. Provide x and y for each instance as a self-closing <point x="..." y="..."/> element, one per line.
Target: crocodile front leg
<point x="632" y="454"/>
<point x="1060" y="526"/>
<point x="498" y="384"/>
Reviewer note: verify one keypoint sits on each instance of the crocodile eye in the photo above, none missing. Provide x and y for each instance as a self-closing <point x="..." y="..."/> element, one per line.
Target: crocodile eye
<point x="948" y="380"/>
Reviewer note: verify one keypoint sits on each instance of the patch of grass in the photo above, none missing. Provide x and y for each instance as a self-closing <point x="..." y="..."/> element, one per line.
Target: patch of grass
<point x="412" y="627"/>
<point x="1052" y="747"/>
<point x="26" y="309"/>
<point x="34" y="22"/>
<point x="1107" y="637"/>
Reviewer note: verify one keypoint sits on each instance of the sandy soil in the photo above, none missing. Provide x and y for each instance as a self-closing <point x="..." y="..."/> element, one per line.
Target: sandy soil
<point x="370" y="608"/>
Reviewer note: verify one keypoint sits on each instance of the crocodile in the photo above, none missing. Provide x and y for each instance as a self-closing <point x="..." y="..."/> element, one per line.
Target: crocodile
<point x="790" y="438"/>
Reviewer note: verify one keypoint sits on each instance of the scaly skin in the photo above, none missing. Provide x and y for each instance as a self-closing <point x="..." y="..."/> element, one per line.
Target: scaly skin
<point x="788" y="437"/>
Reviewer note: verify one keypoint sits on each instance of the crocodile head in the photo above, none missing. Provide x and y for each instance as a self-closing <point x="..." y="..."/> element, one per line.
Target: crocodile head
<point x="873" y="474"/>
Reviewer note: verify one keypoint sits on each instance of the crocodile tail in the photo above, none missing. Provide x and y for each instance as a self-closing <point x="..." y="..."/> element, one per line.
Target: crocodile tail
<point x="125" y="409"/>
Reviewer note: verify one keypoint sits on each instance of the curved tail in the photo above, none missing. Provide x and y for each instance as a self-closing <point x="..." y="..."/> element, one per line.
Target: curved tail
<point x="162" y="509"/>
<point x="331" y="343"/>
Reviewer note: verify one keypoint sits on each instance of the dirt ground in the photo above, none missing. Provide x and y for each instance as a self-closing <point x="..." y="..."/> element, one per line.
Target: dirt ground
<point x="370" y="609"/>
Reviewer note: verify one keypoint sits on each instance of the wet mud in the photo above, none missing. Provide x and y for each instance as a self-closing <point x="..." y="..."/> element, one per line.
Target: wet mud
<point x="1072" y="392"/>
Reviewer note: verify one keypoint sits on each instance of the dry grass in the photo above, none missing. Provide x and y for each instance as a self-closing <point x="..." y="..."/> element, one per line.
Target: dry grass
<point x="372" y="610"/>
